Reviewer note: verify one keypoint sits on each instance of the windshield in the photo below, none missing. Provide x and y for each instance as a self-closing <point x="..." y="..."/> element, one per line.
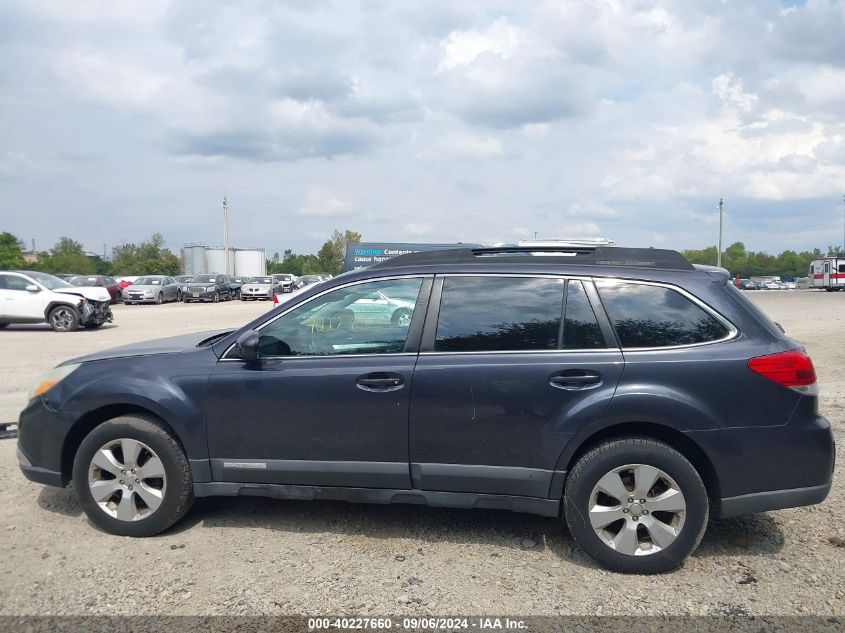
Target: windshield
<point x="147" y="281"/>
<point x="49" y="281"/>
<point x="260" y="280"/>
<point x="84" y="281"/>
<point x="204" y="279"/>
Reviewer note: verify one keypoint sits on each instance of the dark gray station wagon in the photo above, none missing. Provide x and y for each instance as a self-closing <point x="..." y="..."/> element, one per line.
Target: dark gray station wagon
<point x="624" y="390"/>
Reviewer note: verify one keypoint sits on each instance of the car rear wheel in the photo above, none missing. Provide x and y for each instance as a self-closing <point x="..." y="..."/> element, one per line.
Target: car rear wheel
<point x="636" y="505"/>
<point x="63" y="318"/>
<point x="131" y="477"/>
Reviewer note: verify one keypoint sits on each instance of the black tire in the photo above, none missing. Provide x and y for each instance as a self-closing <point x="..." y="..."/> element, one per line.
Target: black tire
<point x="216" y="297"/>
<point x="3" y="325"/>
<point x="178" y="296"/>
<point x="63" y="318"/>
<point x="159" y="299"/>
<point x="601" y="460"/>
<point x="178" y="492"/>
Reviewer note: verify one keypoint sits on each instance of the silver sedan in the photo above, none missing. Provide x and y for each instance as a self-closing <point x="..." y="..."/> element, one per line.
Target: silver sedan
<point x="152" y="289"/>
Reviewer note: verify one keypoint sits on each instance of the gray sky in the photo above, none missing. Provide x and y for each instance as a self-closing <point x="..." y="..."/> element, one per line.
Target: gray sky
<point x="423" y="121"/>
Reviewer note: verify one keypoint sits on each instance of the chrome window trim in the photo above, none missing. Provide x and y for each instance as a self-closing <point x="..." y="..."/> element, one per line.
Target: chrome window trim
<point x="733" y="331"/>
<point x="224" y="356"/>
<point x="593" y="350"/>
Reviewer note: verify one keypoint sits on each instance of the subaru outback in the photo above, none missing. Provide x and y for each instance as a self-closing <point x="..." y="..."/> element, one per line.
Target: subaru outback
<point x="606" y="386"/>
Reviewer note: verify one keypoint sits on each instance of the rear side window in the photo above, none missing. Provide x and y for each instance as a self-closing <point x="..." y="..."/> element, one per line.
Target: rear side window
<point x="580" y="326"/>
<point x="494" y="314"/>
<point x="653" y="316"/>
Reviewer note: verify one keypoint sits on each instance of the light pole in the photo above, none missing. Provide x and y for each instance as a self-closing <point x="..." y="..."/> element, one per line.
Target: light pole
<point x="719" y="253"/>
<point x="225" y="234"/>
<point x="843" y="226"/>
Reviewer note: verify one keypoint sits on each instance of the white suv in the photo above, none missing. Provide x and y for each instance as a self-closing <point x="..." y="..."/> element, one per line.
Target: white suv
<point x="33" y="297"/>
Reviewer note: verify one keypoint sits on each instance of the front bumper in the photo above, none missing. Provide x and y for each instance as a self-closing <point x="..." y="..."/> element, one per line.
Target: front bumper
<point x="256" y="294"/>
<point x="42" y="432"/>
<point x="199" y="295"/>
<point x="139" y="299"/>
<point x="93" y="312"/>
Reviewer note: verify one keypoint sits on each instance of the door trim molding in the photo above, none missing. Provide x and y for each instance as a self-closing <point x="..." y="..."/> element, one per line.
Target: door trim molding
<point x="309" y="472"/>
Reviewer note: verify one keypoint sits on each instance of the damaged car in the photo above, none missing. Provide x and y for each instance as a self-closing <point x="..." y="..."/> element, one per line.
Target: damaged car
<point x="35" y="297"/>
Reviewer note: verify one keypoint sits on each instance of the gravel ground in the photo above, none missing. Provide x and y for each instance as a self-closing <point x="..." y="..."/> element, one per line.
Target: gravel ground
<point x="260" y="556"/>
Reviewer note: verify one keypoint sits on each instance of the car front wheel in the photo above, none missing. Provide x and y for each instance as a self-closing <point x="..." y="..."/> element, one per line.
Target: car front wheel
<point x="636" y="505"/>
<point x="132" y="477"/>
<point x="63" y="318"/>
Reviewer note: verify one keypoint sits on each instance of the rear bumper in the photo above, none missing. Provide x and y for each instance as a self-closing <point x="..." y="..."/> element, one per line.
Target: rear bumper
<point x="773" y="500"/>
<point x="771" y="468"/>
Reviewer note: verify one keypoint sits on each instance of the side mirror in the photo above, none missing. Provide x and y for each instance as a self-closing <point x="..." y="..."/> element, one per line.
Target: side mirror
<point x="33" y="288"/>
<point x="247" y="346"/>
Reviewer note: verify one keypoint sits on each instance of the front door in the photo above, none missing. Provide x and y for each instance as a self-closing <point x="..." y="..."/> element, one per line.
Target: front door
<point x="827" y="274"/>
<point x="18" y="302"/>
<point x="503" y="381"/>
<point x="327" y="403"/>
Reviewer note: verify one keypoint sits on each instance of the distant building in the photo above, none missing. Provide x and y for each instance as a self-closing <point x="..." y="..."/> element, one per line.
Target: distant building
<point x="30" y="257"/>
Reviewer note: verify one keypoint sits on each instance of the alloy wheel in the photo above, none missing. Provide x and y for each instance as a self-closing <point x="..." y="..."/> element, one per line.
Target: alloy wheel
<point x="637" y="509"/>
<point x="62" y="319"/>
<point x="127" y="479"/>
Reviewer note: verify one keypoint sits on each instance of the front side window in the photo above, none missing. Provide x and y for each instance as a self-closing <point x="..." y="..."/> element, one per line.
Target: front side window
<point x="491" y="314"/>
<point x="654" y="316"/>
<point x="13" y="282"/>
<point x="366" y="318"/>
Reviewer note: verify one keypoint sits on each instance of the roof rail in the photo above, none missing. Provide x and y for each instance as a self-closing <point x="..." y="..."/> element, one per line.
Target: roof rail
<point x="653" y="258"/>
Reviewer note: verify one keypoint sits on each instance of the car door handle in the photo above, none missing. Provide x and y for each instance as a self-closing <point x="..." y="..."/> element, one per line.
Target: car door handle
<point x="380" y="381"/>
<point x="575" y="379"/>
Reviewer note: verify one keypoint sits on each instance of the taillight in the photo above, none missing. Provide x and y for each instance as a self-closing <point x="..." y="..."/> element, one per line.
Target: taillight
<point x="792" y="369"/>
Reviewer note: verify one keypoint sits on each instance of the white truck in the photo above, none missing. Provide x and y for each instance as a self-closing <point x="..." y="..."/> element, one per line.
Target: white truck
<point x="828" y="273"/>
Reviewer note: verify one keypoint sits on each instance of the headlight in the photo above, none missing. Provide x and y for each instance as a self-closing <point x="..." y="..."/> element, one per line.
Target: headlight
<point x="211" y="288"/>
<point x="51" y="379"/>
<point x="149" y="292"/>
<point x="184" y="288"/>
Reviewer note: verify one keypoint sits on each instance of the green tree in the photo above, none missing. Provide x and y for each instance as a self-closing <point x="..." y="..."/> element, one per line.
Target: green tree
<point x="67" y="256"/>
<point x="11" y="256"/>
<point x="147" y="258"/>
<point x="331" y="254"/>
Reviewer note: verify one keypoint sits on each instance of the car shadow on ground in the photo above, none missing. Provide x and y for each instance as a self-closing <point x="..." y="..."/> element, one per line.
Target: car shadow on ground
<point x="751" y="535"/>
<point x="59" y="500"/>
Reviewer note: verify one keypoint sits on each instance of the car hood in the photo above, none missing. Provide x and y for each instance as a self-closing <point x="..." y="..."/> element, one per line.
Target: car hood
<point x="92" y="293"/>
<point x="258" y="286"/>
<point x="169" y="345"/>
<point x="149" y="287"/>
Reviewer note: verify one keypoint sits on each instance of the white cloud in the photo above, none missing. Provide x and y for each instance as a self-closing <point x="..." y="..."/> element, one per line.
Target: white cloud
<point x="318" y="203"/>
<point x="418" y="230"/>
<point x="463" y="47"/>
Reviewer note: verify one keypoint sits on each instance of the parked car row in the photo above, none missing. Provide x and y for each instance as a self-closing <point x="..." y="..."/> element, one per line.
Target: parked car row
<point x="748" y="284"/>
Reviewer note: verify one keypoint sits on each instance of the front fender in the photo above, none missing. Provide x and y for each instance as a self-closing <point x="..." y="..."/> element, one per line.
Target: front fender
<point x="178" y="399"/>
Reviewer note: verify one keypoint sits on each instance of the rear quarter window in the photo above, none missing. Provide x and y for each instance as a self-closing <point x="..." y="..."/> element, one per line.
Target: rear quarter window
<point x="655" y="316"/>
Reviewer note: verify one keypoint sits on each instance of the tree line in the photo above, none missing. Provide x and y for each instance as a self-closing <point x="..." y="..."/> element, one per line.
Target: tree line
<point x="152" y="257"/>
<point x="745" y="264"/>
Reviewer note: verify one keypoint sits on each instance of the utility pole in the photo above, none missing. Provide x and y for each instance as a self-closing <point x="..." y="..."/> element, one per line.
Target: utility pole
<point x="843" y="226"/>
<point x="719" y="255"/>
<point x="226" y="234"/>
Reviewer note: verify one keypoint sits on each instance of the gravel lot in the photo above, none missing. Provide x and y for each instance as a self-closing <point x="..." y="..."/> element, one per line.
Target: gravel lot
<point x="260" y="556"/>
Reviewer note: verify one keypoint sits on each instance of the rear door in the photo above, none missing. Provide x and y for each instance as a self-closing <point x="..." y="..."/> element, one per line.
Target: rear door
<point x="504" y="379"/>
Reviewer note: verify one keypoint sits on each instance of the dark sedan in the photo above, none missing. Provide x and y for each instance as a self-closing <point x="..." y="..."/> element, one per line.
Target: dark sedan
<point x="207" y="288"/>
